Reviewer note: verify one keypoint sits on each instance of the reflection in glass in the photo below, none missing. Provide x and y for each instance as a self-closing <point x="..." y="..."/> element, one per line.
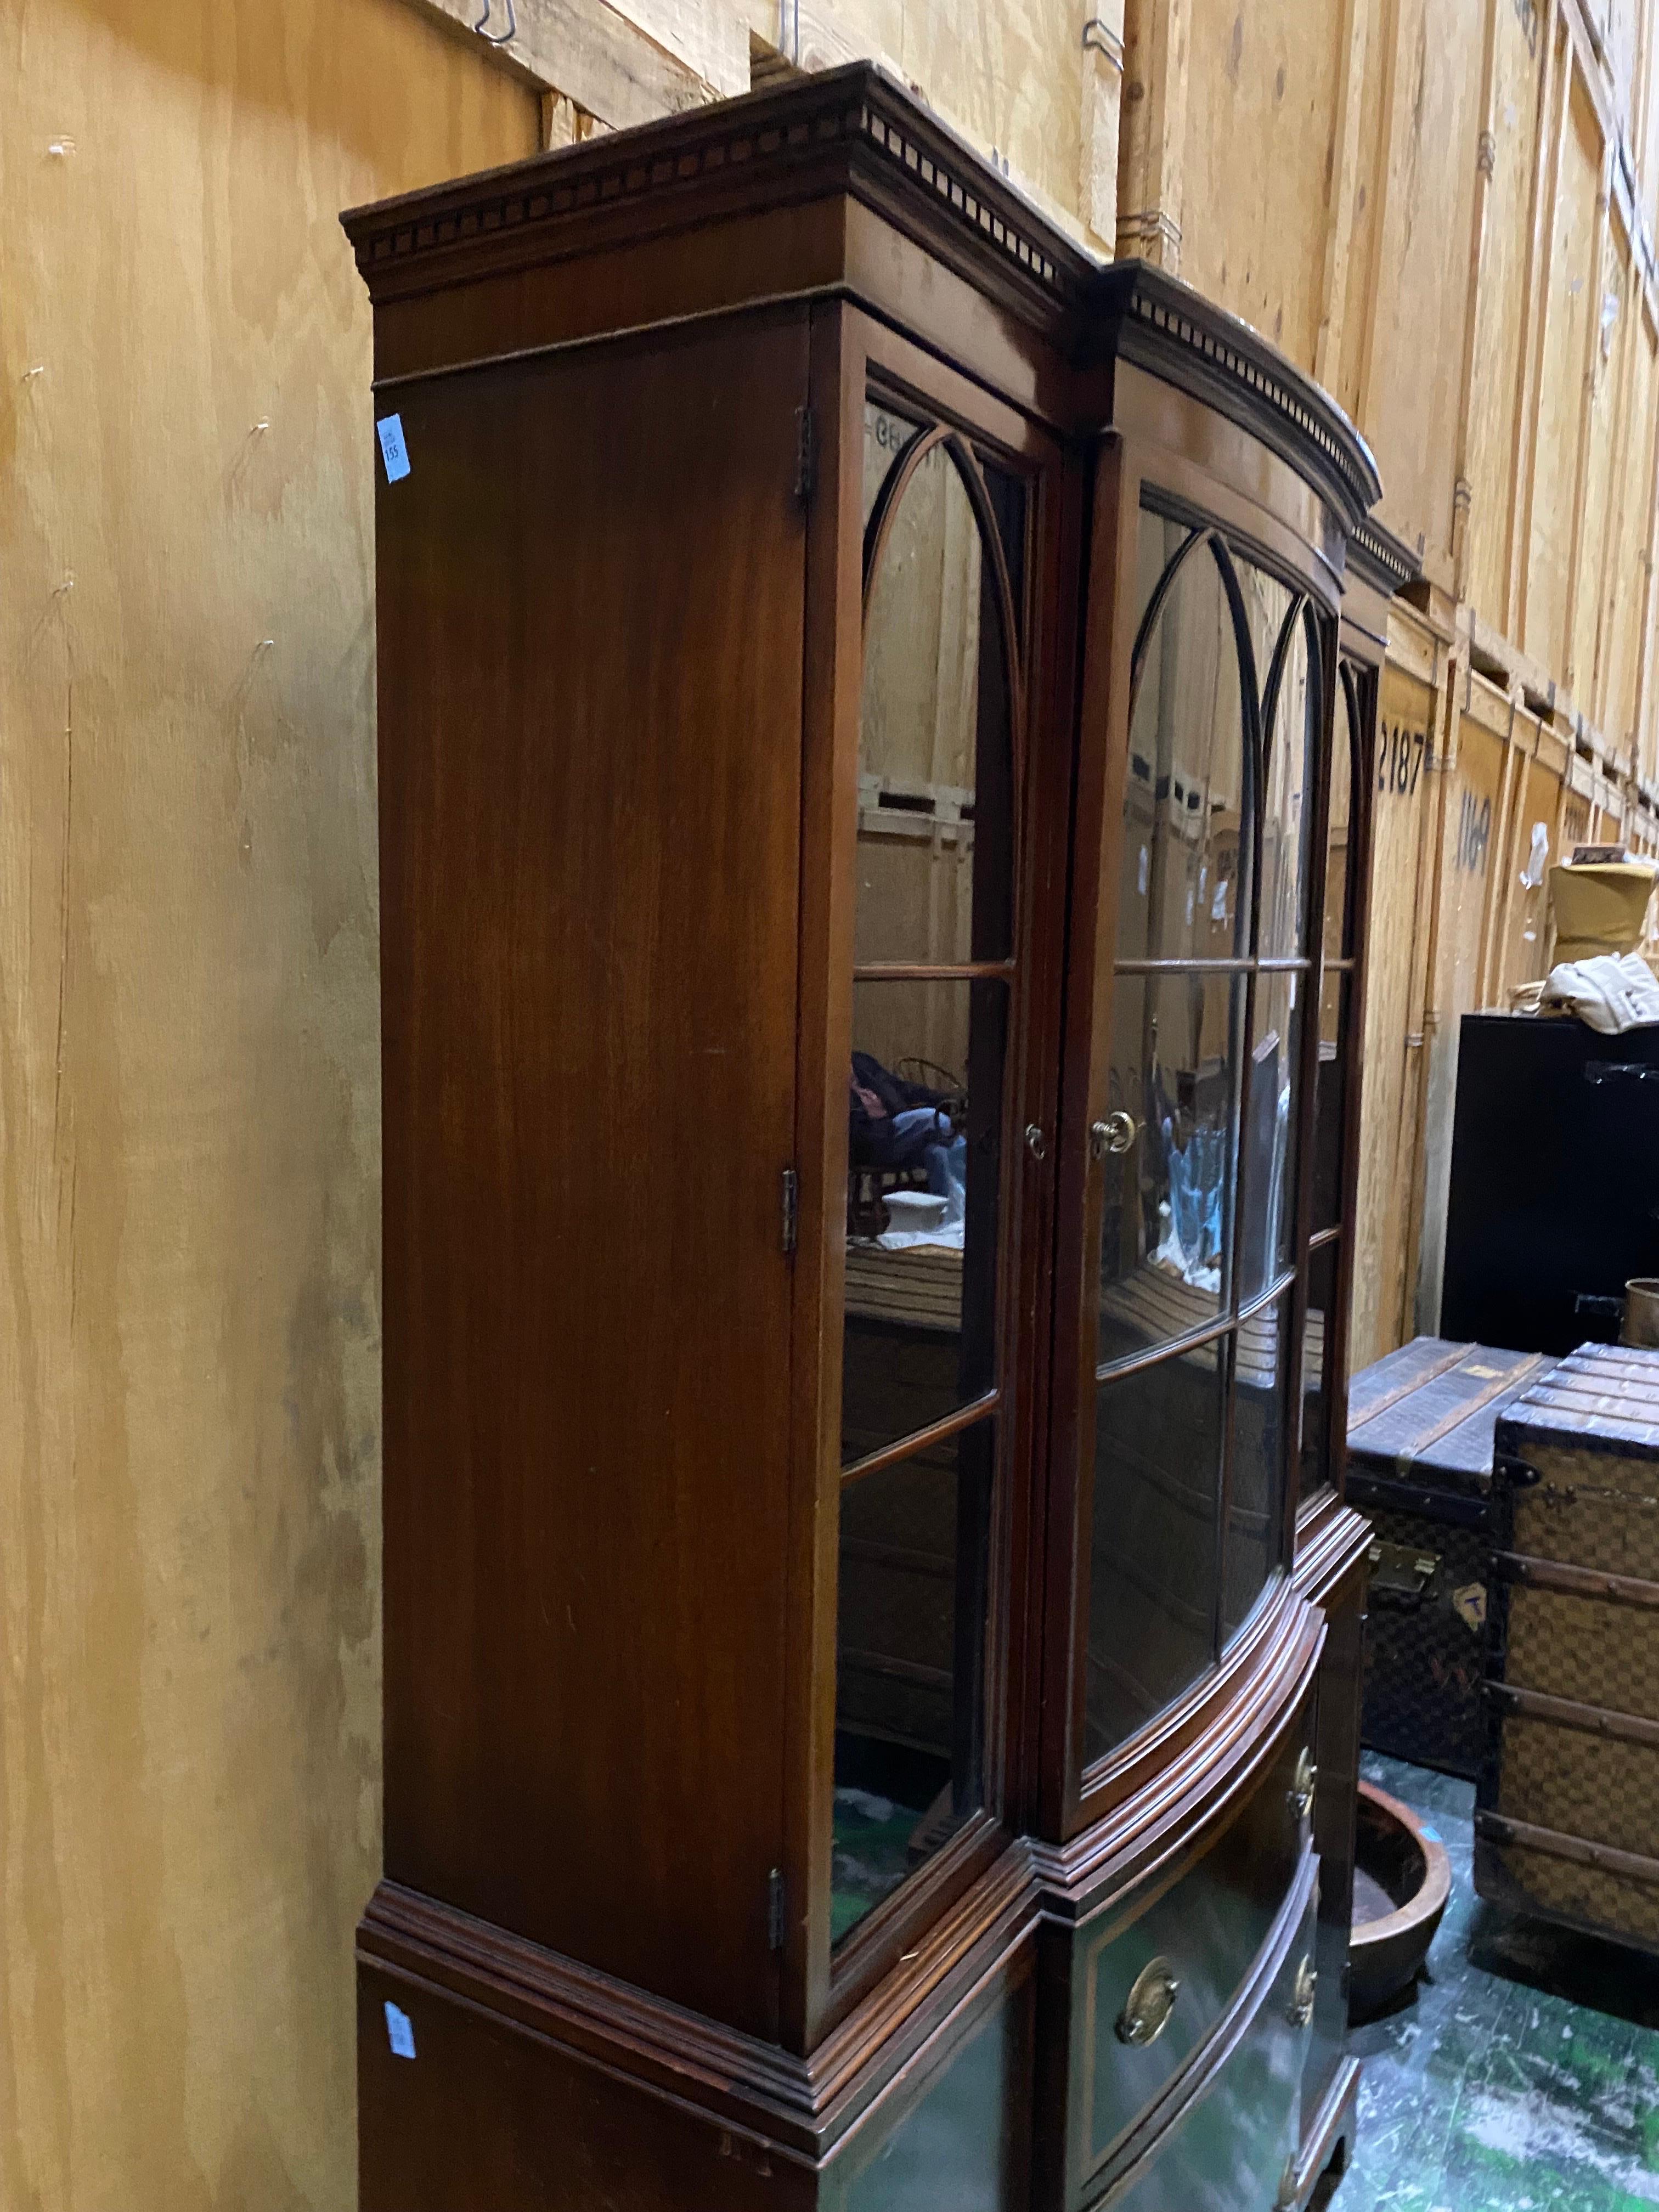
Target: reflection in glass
<point x="886" y="434"/>
<point x="1330" y="1101"/>
<point x="1336" y="978"/>
<point x="1339" y="925"/>
<point x="1267" y="1169"/>
<point x="1262" y="1385"/>
<point x="1287" y="811"/>
<point x="909" y="1648"/>
<point x="924" y="1136"/>
<point x="935" y="841"/>
<point x="1182" y="896"/>
<point x="1152" y="1569"/>
<point x="1268" y="604"/>
<point x="1166" y="1230"/>
<point x="1322" y="1269"/>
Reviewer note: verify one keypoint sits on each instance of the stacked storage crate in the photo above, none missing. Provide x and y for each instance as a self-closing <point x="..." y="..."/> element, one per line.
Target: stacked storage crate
<point x="1568" y="1818"/>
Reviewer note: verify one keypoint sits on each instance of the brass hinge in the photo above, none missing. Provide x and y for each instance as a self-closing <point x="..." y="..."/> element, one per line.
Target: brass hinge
<point x="805" y="456"/>
<point x="791" y="1209"/>
<point x="774" y="1908"/>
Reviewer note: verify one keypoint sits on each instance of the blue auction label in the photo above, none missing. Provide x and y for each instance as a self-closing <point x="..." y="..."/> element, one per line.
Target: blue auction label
<point x="393" y="452"/>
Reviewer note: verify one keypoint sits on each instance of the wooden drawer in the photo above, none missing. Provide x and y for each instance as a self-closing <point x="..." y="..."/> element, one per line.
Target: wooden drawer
<point x="1206" y="1922"/>
<point x="1231" y="2141"/>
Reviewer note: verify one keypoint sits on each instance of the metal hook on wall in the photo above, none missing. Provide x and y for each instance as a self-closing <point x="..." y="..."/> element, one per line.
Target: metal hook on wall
<point x="497" y="38"/>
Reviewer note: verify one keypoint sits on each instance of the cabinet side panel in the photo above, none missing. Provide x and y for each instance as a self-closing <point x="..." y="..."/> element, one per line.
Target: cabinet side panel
<point x="590" y="589"/>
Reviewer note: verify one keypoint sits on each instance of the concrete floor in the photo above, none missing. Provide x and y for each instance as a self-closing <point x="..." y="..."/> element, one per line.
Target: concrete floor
<point x="1495" y="2087"/>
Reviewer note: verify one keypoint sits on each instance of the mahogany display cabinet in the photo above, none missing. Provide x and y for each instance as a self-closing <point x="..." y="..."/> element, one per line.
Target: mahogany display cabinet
<point x="873" y="769"/>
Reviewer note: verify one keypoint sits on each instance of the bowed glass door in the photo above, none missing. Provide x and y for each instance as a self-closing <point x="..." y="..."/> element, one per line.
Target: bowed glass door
<point x="1196" y="1153"/>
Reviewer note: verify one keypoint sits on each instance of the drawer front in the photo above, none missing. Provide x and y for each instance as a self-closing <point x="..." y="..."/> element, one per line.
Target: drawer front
<point x="1202" y="1930"/>
<point x="1232" y="2147"/>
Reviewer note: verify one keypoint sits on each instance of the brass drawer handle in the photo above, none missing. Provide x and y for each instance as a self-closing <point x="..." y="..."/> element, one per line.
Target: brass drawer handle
<point x="1302" y="1998"/>
<point x="1115" y="1134"/>
<point x="1303" y="1784"/>
<point x="1146" y="2009"/>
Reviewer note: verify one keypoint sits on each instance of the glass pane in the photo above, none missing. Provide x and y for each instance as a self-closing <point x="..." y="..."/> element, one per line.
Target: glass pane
<point x="1287" y="809"/>
<point x="935" y="844"/>
<point x="1338" y="935"/>
<point x="1330" y="1100"/>
<point x="1180" y="893"/>
<point x="1166" y="1230"/>
<point x="886" y="434"/>
<point x="909" y="1648"/>
<point x="1153" y="1560"/>
<point x="1322" y="1271"/>
<point x="924" y="1138"/>
<point x="1268" y="604"/>
<point x="1267" y="1173"/>
<point x="1255" y="1506"/>
<point x="1006" y="493"/>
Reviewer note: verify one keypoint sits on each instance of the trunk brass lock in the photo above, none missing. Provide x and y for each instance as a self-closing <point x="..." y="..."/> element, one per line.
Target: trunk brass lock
<point x="1401" y="1570"/>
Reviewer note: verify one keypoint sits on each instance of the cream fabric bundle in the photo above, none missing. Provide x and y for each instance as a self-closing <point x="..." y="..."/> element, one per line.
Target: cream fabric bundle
<point x="1610" y="995"/>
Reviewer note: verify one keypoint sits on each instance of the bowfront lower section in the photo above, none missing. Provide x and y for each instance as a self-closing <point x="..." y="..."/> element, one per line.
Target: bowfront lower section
<point x="1120" y="2022"/>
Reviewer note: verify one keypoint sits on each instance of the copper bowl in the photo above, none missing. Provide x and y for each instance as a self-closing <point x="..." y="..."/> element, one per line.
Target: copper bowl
<point x="1402" y="1879"/>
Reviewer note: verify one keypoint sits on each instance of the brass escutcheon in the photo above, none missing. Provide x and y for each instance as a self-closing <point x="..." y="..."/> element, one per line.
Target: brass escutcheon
<point x="1147" y="2007"/>
<point x="1303" y="1784"/>
<point x="1302" y="1998"/>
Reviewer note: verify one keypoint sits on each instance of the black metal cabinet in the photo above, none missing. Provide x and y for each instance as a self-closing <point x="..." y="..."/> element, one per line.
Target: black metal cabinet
<point x="1554" y="1199"/>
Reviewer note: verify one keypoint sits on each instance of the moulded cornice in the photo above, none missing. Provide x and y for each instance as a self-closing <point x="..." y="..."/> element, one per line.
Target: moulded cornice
<point x="858" y="132"/>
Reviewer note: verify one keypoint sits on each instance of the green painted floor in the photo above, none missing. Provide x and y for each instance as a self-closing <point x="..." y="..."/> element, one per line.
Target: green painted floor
<point x="1522" y="2075"/>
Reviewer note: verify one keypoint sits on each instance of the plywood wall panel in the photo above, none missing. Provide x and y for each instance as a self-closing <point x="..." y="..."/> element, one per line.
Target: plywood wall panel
<point x="1402" y="798"/>
<point x="1410" y="397"/>
<point x="1568" y="304"/>
<point x="1356" y="267"/>
<point x="1008" y="74"/>
<point x="1517" y="88"/>
<point x="1266" y="76"/>
<point x="189" y="1178"/>
<point x="1610" y="348"/>
<point x="1624" y="589"/>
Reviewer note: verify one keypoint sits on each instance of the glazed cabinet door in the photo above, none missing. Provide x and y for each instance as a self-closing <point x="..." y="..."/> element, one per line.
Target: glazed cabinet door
<point x="1334" y="1166"/>
<point x="936" y="1142"/>
<point x="591" y="601"/>
<point x="1183" y="1193"/>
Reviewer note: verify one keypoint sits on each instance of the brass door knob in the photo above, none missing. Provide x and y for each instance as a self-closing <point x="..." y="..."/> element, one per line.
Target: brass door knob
<point x="1301" y="2008"/>
<point x="1115" y="1134"/>
<point x="1303" y="1783"/>
<point x="1146" y="2009"/>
